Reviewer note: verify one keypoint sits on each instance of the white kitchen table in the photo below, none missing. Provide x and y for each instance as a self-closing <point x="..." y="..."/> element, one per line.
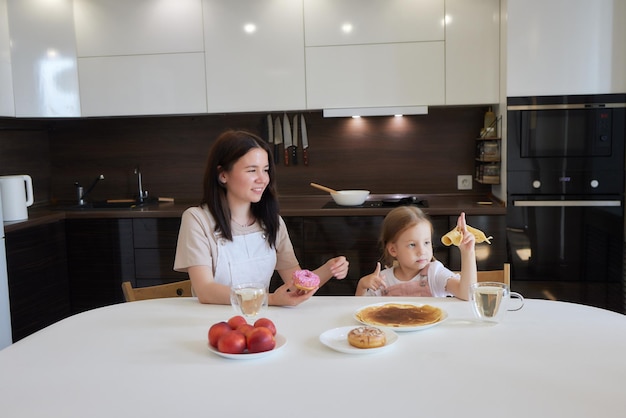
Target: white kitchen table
<point x="150" y="359"/>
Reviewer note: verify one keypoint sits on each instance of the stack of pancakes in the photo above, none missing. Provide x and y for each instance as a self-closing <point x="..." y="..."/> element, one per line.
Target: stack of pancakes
<point x="400" y="315"/>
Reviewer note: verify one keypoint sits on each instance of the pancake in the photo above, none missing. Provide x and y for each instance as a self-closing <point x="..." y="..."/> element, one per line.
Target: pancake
<point x="400" y="315"/>
<point x="455" y="237"/>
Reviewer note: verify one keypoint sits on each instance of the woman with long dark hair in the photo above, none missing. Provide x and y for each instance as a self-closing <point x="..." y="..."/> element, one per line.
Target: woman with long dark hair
<point x="237" y="229"/>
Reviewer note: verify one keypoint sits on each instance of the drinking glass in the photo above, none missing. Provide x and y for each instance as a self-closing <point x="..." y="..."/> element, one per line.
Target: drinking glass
<point x="491" y="300"/>
<point x="249" y="299"/>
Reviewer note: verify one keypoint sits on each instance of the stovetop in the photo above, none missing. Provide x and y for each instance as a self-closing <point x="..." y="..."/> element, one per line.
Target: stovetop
<point x="384" y="203"/>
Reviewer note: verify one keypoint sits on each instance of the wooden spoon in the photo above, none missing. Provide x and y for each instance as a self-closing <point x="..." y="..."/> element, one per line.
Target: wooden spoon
<point x="326" y="189"/>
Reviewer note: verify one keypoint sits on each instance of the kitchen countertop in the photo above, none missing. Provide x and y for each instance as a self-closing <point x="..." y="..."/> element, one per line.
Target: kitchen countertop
<point x="305" y="205"/>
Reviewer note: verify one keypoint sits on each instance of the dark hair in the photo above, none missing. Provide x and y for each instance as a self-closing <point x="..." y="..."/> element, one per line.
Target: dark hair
<point x="397" y="221"/>
<point x="229" y="147"/>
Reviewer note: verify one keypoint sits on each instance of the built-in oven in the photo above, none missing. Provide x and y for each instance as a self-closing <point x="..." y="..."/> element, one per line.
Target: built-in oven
<point x="565" y="132"/>
<point x="565" y="203"/>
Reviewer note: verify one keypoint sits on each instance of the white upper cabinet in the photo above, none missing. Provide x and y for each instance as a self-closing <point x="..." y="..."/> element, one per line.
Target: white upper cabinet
<point x="43" y="58"/>
<point x="353" y="22"/>
<point x="254" y="55"/>
<point x="7" y="108"/>
<point x="140" y="57"/>
<point x="143" y="57"/>
<point x="566" y="47"/>
<point x="374" y="53"/>
<point x="472" y="51"/>
<point x="122" y="27"/>
<point x="156" y="84"/>
<point x="400" y="74"/>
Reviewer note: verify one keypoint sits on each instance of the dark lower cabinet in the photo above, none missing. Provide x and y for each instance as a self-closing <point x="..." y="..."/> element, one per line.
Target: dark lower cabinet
<point x="155" y="249"/>
<point x="103" y="253"/>
<point x="38" y="281"/>
<point x="101" y="257"/>
<point x="71" y="266"/>
<point x="75" y="265"/>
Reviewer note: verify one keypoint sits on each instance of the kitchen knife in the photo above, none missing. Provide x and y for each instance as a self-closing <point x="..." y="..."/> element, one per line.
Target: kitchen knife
<point x="278" y="138"/>
<point x="270" y="129"/>
<point x="294" y="151"/>
<point x="305" y="141"/>
<point x="287" y="137"/>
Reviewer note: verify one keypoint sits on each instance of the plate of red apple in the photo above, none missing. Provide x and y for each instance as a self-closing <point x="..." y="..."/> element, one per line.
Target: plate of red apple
<point x="237" y="339"/>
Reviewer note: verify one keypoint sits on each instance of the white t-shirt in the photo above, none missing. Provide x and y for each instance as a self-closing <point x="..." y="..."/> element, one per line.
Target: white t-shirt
<point x="197" y="244"/>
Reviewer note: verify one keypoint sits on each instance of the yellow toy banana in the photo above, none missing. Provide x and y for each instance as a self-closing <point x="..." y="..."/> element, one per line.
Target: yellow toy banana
<point x="455" y="236"/>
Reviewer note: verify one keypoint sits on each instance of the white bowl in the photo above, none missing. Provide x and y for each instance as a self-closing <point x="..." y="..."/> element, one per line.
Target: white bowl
<point x="350" y="197"/>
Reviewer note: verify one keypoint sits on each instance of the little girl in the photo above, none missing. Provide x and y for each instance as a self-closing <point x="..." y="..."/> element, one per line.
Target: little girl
<point x="406" y="239"/>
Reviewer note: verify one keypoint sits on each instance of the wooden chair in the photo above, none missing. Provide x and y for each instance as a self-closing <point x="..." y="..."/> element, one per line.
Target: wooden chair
<point x="169" y="290"/>
<point x="503" y="276"/>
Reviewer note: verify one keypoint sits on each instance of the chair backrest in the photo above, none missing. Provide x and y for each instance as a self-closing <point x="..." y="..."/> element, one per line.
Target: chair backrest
<point x="169" y="290"/>
<point x="502" y="276"/>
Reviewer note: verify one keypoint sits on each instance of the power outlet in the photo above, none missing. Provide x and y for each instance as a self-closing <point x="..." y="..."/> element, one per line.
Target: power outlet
<point x="464" y="182"/>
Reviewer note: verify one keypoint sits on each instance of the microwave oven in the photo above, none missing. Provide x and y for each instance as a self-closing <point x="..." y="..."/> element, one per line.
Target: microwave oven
<point x="573" y="132"/>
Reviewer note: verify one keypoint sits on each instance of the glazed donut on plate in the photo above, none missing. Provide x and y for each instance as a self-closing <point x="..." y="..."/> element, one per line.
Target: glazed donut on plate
<point x="305" y="280"/>
<point x="367" y="337"/>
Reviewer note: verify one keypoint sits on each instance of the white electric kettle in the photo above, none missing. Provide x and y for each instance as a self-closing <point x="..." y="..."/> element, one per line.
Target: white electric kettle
<point x="17" y="196"/>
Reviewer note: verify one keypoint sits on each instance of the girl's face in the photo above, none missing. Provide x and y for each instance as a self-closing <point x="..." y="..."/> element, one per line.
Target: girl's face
<point x="413" y="248"/>
<point x="247" y="180"/>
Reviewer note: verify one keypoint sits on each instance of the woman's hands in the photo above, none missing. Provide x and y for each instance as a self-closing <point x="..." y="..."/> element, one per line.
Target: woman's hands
<point x="373" y="281"/>
<point x="288" y="295"/>
<point x="337" y="267"/>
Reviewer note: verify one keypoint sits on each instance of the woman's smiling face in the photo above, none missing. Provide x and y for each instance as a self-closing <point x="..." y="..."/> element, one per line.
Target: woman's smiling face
<point x="248" y="178"/>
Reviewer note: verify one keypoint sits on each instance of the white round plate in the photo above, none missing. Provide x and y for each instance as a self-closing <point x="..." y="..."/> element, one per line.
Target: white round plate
<point x="280" y="343"/>
<point x="337" y="339"/>
<point x="401" y="328"/>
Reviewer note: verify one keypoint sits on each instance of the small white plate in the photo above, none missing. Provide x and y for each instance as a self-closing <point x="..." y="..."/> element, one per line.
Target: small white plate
<point x="401" y="328"/>
<point x="280" y="343"/>
<point x="337" y="339"/>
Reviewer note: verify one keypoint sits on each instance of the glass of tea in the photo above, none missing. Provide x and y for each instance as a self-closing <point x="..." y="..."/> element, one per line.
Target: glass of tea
<point x="249" y="299"/>
<point x="491" y="300"/>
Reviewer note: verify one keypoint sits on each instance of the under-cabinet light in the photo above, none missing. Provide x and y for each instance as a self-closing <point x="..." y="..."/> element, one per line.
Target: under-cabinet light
<point x="375" y="111"/>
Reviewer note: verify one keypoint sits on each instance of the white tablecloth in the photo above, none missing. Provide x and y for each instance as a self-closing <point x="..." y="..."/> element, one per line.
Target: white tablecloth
<point x="150" y="359"/>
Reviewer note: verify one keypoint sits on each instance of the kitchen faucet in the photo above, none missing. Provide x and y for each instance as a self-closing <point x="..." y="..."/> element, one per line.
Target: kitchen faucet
<point x="82" y="195"/>
<point x="143" y="194"/>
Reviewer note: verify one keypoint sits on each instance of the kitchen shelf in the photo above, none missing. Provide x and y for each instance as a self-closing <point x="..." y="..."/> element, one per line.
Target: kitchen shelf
<point x="488" y="180"/>
<point x="488" y="159"/>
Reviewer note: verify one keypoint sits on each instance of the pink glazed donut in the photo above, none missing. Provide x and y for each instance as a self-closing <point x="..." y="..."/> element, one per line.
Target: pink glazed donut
<point x="305" y="280"/>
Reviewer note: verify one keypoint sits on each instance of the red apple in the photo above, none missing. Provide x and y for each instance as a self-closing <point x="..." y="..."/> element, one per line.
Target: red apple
<point x="267" y="323"/>
<point x="233" y="342"/>
<point x="261" y="339"/>
<point x="216" y="331"/>
<point x="245" y="329"/>
<point x="237" y="320"/>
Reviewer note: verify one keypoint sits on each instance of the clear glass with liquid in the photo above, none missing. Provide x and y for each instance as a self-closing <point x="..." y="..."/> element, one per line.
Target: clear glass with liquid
<point x="249" y="299"/>
<point x="491" y="300"/>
